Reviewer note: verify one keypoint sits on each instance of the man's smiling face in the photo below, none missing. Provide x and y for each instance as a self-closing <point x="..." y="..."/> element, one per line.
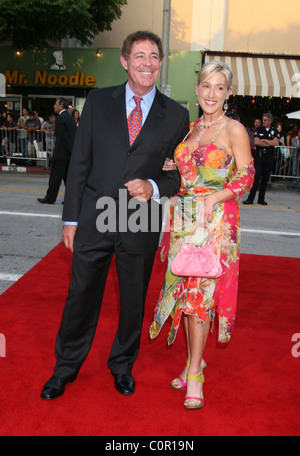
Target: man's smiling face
<point x="143" y="66"/>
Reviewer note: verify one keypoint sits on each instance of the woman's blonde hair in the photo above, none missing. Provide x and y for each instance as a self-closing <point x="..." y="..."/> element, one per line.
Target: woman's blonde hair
<point x="213" y="68"/>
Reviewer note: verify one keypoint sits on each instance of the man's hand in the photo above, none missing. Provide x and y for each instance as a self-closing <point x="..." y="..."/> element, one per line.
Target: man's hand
<point x="140" y="189"/>
<point x="68" y="235"/>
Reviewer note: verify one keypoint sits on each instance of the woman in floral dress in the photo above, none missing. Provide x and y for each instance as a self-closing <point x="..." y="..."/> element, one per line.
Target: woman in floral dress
<point x="216" y="167"/>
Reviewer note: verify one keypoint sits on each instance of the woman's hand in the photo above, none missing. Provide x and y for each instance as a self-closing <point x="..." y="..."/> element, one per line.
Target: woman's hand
<point x="209" y="206"/>
<point x="169" y="165"/>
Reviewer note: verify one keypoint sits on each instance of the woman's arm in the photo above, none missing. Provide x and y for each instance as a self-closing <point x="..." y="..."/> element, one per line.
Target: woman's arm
<point x="243" y="178"/>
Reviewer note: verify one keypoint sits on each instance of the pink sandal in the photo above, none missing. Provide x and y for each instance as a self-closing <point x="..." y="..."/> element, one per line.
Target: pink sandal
<point x="182" y="386"/>
<point x="198" y="401"/>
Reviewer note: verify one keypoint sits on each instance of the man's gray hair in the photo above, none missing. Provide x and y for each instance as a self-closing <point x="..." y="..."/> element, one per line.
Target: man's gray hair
<point x="269" y="115"/>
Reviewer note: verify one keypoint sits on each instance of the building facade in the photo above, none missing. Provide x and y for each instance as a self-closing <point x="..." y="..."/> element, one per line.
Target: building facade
<point x="256" y="38"/>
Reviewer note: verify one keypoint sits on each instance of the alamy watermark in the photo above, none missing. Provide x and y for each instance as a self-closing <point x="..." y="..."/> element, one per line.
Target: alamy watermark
<point x="2" y="85"/>
<point x="2" y="346"/>
<point x="296" y="86"/>
<point x="132" y="215"/>
<point x="123" y="214"/>
<point x="296" y="347"/>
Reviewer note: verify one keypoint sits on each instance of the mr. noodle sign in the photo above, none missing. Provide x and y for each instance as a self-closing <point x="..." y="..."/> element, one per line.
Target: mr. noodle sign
<point x="44" y="78"/>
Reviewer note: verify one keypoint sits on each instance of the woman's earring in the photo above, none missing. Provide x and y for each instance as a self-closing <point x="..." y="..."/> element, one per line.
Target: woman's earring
<point x="226" y="106"/>
<point x="197" y="103"/>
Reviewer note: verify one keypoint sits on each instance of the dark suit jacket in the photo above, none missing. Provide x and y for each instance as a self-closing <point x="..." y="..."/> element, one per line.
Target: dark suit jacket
<point x="65" y="131"/>
<point x="102" y="161"/>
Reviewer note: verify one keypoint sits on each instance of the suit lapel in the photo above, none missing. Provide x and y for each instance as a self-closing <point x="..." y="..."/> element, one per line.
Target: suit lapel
<point x="119" y="118"/>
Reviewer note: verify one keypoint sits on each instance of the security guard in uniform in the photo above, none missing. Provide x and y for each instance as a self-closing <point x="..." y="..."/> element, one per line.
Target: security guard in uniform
<point x="266" y="138"/>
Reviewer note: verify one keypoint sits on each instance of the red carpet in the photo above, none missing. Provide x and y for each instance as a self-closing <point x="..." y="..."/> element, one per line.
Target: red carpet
<point x="252" y="385"/>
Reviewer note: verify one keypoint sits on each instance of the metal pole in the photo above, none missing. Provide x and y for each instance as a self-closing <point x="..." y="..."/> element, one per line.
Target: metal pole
<point x="166" y="46"/>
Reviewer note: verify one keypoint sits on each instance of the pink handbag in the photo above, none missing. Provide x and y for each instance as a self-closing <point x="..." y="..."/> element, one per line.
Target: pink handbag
<point x="192" y="261"/>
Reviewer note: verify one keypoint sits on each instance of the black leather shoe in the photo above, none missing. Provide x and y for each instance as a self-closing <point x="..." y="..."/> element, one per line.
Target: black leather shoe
<point x="263" y="203"/>
<point x="124" y="383"/>
<point x="247" y="201"/>
<point x="55" y="387"/>
<point x="44" y="201"/>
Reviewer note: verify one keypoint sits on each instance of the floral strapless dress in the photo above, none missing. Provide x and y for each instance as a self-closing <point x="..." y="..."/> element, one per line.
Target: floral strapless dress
<point x="204" y="171"/>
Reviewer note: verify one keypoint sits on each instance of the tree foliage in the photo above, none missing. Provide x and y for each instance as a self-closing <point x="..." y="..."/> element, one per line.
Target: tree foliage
<point x="30" y="24"/>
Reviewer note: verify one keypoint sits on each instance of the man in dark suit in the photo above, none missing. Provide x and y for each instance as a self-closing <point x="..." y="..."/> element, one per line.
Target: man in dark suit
<point x="65" y="131"/>
<point x="106" y="170"/>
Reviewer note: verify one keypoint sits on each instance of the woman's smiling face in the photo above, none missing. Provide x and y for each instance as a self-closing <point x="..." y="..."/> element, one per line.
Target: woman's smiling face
<point x="212" y="93"/>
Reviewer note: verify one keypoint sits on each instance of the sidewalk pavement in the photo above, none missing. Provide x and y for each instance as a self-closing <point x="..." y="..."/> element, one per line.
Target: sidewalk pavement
<point x="19" y="168"/>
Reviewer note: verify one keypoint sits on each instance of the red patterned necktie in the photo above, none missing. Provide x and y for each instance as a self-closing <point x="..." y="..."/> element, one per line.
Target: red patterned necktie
<point x="134" y="120"/>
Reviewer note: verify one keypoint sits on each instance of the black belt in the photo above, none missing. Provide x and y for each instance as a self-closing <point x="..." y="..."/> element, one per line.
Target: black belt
<point x="265" y="150"/>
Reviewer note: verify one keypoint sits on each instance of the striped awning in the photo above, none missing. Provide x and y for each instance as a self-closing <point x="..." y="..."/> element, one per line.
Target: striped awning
<point x="262" y="76"/>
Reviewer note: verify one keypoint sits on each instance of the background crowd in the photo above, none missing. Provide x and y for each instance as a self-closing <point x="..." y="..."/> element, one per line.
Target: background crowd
<point x="22" y="135"/>
<point x="287" y="154"/>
